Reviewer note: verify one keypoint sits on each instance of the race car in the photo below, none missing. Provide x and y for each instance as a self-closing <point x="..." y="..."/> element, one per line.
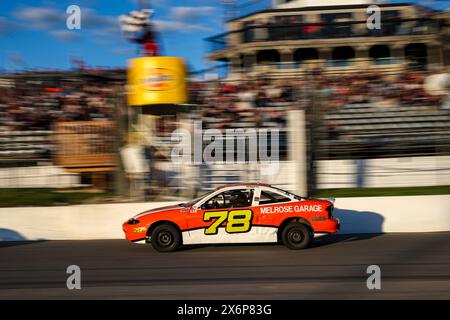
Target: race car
<point x="238" y="213"/>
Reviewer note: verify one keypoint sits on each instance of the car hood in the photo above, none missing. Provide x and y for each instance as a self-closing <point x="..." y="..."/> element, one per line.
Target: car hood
<point x="156" y="210"/>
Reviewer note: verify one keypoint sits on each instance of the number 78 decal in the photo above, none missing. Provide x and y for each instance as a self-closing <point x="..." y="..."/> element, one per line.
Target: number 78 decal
<point x="239" y="221"/>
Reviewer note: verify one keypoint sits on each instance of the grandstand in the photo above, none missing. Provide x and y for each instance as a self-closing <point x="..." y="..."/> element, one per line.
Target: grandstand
<point x="364" y="131"/>
<point x="32" y="103"/>
<point x="33" y="146"/>
<point x="287" y="38"/>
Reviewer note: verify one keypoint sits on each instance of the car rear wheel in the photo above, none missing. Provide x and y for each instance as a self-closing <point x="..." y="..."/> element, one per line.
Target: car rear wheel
<point x="165" y="238"/>
<point x="296" y="236"/>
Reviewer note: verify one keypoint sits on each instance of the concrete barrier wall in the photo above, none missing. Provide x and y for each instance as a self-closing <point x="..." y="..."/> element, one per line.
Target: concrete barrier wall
<point x="394" y="214"/>
<point x="357" y="215"/>
<point x="80" y="222"/>
<point x="388" y="172"/>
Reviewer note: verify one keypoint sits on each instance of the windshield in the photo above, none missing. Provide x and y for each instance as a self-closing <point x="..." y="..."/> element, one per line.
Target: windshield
<point x="192" y="202"/>
<point x="289" y="194"/>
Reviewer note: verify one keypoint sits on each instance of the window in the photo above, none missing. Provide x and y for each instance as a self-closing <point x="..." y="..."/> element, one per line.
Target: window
<point x="288" y="19"/>
<point x="337" y="24"/>
<point x="192" y="202"/>
<point x="268" y="197"/>
<point x="342" y="56"/>
<point x="285" y="27"/>
<point x="239" y="198"/>
<point x="389" y="23"/>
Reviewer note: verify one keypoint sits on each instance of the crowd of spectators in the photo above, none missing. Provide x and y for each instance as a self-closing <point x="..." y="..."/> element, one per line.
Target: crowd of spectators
<point x="221" y="104"/>
<point x="396" y="91"/>
<point x="36" y="106"/>
<point x="264" y="103"/>
<point x="253" y="104"/>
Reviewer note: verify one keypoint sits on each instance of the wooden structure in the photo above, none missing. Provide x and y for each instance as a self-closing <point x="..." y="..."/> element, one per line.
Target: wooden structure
<point x="87" y="147"/>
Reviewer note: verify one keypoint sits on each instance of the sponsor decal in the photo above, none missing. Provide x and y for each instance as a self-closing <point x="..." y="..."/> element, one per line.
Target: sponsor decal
<point x="238" y="221"/>
<point x="139" y="229"/>
<point x="161" y="79"/>
<point x="290" y="209"/>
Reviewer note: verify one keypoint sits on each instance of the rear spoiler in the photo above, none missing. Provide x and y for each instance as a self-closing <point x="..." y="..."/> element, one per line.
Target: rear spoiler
<point x="332" y="200"/>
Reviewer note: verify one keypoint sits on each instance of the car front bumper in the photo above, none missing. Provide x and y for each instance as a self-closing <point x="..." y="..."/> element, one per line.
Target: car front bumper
<point x="134" y="232"/>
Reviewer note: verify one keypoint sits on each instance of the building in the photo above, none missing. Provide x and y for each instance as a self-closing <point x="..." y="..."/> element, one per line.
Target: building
<point x="291" y="37"/>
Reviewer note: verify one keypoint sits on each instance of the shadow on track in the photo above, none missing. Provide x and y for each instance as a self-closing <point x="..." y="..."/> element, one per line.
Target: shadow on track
<point x="10" y="235"/>
<point x="11" y="238"/>
<point x="358" y="222"/>
<point x="330" y="239"/>
<point x="355" y="226"/>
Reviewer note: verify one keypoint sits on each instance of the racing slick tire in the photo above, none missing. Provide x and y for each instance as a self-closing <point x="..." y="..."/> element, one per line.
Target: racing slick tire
<point x="165" y="238"/>
<point x="296" y="236"/>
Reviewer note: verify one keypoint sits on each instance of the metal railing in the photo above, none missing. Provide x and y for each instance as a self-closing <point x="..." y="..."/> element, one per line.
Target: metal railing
<point x="331" y="30"/>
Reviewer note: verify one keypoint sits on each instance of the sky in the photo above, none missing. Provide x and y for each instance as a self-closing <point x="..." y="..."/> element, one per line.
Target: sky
<point x="33" y="33"/>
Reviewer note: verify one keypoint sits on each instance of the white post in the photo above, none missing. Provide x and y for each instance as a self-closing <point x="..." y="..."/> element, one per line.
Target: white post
<point x="297" y="149"/>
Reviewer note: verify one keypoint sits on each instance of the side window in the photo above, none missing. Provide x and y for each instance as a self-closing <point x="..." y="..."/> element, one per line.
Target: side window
<point x="230" y="199"/>
<point x="268" y="197"/>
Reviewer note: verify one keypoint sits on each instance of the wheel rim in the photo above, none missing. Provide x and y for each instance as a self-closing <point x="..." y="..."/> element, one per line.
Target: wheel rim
<point x="165" y="238"/>
<point x="295" y="236"/>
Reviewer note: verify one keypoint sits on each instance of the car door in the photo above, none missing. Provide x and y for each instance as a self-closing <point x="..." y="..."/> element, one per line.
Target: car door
<point x="269" y="205"/>
<point x="225" y="217"/>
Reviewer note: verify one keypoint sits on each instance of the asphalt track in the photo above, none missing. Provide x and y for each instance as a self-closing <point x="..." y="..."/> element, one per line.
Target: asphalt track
<point x="413" y="266"/>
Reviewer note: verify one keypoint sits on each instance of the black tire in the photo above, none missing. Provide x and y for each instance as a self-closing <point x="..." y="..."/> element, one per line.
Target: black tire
<point x="296" y="236"/>
<point x="165" y="238"/>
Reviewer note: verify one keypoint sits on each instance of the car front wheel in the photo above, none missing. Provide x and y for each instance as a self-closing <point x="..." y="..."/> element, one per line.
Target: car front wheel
<point x="165" y="238"/>
<point x="296" y="236"/>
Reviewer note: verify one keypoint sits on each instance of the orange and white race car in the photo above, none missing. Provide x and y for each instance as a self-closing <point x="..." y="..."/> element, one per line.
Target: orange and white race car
<point x="239" y="213"/>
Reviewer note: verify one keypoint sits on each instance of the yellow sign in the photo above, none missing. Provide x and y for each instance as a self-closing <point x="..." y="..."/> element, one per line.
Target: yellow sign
<point x="156" y="80"/>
